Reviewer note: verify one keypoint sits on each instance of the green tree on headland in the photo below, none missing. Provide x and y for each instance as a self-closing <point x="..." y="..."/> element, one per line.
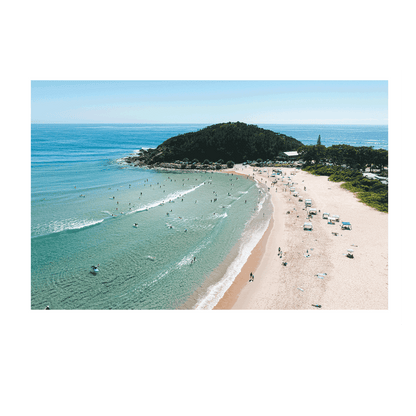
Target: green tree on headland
<point x="319" y="140"/>
<point x="345" y="155"/>
<point x="227" y="141"/>
<point x="312" y="153"/>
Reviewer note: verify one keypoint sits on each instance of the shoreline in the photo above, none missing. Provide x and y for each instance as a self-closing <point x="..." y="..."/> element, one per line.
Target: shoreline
<point x="358" y="283"/>
<point x="250" y="266"/>
<point x="231" y="295"/>
<point x="220" y="280"/>
<point x="256" y="257"/>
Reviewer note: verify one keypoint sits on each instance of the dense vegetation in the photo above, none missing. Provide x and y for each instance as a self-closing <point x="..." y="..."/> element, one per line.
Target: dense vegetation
<point x="369" y="191"/>
<point x="235" y="142"/>
<point x="343" y="154"/>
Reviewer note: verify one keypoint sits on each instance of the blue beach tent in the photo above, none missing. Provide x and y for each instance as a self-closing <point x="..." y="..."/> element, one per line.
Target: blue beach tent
<point x="346" y="226"/>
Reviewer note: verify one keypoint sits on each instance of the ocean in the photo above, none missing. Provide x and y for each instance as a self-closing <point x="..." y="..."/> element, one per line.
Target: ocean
<point x="332" y="134"/>
<point x="162" y="240"/>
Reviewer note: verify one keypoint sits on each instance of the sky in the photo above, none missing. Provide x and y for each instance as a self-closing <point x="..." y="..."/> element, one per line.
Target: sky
<point x="210" y="102"/>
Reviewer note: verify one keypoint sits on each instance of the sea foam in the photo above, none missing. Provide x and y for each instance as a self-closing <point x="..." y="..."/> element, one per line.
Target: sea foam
<point x="250" y="237"/>
<point x="68" y="225"/>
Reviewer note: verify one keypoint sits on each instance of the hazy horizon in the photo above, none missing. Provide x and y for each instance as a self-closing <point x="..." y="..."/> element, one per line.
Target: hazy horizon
<point x="210" y="102"/>
<point x="200" y="123"/>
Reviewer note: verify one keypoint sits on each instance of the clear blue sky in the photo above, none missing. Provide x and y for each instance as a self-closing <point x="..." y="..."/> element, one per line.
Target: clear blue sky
<point x="254" y="102"/>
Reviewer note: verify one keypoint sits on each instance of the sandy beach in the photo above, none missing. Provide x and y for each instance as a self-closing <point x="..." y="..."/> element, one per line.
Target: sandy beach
<point x="317" y="272"/>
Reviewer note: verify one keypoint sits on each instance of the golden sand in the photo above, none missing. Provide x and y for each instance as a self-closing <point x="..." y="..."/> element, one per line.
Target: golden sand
<point x="318" y="272"/>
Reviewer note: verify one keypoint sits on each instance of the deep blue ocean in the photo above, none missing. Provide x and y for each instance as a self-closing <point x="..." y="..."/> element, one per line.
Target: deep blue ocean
<point x="193" y="231"/>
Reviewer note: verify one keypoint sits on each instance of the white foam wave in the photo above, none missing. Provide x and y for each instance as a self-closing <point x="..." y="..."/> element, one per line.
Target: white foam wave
<point x="76" y="225"/>
<point x="67" y="225"/>
<point x="217" y="216"/>
<point x="188" y="259"/>
<point x="170" y="198"/>
<point x="185" y="261"/>
<point x="263" y="195"/>
<point x="216" y="291"/>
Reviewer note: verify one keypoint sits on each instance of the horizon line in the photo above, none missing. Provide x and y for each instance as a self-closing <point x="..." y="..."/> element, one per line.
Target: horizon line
<point x="272" y="123"/>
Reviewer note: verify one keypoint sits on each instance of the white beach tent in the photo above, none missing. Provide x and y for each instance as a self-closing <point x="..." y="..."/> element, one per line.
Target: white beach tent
<point x="325" y="215"/>
<point x="312" y="211"/>
<point x="336" y="217"/>
<point x="308" y="202"/>
<point x="308" y="226"/>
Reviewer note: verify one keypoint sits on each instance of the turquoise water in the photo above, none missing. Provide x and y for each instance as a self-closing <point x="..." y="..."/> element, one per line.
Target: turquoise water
<point x="84" y="206"/>
<point x="148" y="266"/>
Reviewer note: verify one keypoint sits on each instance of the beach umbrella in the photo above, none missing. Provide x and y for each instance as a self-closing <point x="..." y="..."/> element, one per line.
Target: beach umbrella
<point x="350" y="250"/>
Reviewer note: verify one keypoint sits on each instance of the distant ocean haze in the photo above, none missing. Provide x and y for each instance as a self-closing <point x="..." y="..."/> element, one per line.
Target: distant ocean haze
<point x="333" y="134"/>
<point x="84" y="207"/>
